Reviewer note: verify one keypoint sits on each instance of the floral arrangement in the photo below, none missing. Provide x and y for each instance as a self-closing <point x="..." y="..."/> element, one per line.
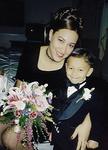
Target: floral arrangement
<point x="86" y="94"/>
<point x="24" y="105"/>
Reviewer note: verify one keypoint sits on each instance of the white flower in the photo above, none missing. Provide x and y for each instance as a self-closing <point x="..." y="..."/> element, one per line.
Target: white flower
<point x="17" y="129"/>
<point x="3" y="83"/>
<point x="41" y="104"/>
<point x="86" y="95"/>
<point x="1" y="102"/>
<point x="50" y="95"/>
<point x="5" y="109"/>
<point x="1" y="114"/>
<point x="20" y="105"/>
<point x="16" y="121"/>
<point x="2" y="98"/>
<point x="45" y="85"/>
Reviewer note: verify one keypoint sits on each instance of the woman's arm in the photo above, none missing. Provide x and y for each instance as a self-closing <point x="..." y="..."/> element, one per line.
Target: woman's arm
<point x="82" y="132"/>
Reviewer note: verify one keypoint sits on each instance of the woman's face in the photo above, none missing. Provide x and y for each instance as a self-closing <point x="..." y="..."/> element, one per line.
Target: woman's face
<point x="62" y="43"/>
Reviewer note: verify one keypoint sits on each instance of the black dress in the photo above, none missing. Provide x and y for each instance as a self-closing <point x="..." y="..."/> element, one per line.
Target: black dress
<point x="66" y="123"/>
<point x="29" y="72"/>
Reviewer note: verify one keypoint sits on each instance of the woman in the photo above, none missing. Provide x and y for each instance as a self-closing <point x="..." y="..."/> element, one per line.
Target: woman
<point x="45" y="64"/>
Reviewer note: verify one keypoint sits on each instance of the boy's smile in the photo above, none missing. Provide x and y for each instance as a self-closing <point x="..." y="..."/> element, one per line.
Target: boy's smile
<point x="77" y="69"/>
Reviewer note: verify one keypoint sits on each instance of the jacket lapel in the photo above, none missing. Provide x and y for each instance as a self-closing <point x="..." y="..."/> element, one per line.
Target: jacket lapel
<point x="71" y="106"/>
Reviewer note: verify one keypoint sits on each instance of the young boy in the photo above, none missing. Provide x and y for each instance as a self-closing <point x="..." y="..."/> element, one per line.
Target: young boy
<point x="75" y="103"/>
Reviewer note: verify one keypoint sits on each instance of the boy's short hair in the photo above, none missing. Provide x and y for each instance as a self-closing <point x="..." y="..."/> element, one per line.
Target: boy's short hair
<point x="86" y="54"/>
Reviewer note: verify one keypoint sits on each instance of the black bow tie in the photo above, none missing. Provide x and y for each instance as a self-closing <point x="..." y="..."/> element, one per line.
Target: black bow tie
<point x="75" y="85"/>
<point x="71" y="84"/>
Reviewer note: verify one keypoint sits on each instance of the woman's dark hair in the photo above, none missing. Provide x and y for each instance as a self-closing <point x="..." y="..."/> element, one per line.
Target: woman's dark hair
<point x="66" y="18"/>
<point x="86" y="54"/>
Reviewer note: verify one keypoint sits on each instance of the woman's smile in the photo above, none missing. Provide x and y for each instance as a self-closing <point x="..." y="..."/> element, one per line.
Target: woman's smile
<point x="59" y="54"/>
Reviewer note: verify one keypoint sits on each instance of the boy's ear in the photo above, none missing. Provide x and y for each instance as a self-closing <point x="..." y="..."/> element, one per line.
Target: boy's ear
<point x="50" y="34"/>
<point x="90" y="72"/>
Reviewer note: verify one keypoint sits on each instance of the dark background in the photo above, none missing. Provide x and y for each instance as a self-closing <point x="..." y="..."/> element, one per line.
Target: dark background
<point x="16" y="14"/>
<point x="24" y="20"/>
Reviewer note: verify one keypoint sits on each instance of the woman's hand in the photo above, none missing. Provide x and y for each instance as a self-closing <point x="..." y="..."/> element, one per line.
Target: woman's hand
<point x="82" y="132"/>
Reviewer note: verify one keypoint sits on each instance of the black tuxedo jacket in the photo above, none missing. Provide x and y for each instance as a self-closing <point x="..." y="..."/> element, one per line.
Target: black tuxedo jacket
<point x="96" y="106"/>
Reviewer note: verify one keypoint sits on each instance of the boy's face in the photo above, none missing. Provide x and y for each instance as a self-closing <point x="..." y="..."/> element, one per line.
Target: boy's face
<point x="77" y="69"/>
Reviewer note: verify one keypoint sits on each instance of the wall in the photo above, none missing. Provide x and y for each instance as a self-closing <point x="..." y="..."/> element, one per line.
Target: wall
<point x="103" y="41"/>
<point x="8" y="34"/>
<point x="91" y="12"/>
<point x="40" y="11"/>
<point x="19" y="12"/>
<point x="103" y="30"/>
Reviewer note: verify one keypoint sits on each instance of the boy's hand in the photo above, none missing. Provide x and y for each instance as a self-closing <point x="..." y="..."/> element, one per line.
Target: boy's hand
<point x="82" y="132"/>
<point x="82" y="137"/>
<point x="92" y="144"/>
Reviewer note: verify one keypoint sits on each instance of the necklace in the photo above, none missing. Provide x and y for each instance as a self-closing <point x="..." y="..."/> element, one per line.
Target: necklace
<point x="49" y="55"/>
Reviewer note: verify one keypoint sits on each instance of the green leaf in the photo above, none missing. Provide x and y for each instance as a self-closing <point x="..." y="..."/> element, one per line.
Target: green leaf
<point x="23" y="120"/>
<point x="8" y="117"/>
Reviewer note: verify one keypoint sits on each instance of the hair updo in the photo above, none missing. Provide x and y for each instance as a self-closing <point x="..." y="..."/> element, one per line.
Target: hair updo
<point x="66" y="18"/>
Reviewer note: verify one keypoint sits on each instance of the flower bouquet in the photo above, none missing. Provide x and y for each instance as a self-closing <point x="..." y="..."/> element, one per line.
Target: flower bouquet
<point x="25" y="106"/>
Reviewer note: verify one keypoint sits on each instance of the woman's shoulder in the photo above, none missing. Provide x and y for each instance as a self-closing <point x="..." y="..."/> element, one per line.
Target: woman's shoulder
<point x="29" y="47"/>
<point x="30" y="51"/>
